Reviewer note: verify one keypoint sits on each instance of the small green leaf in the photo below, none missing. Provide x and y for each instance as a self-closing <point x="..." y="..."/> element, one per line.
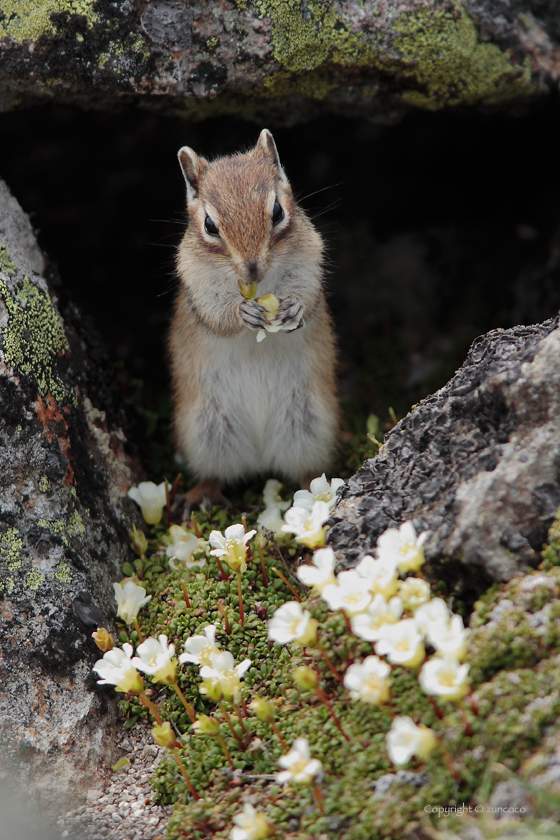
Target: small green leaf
<point x="122" y="762"/>
<point x="127" y="570"/>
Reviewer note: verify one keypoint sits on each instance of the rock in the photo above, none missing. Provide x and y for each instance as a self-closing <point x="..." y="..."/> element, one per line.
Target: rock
<point x="477" y="464"/>
<point x="283" y="57"/>
<point x="64" y="520"/>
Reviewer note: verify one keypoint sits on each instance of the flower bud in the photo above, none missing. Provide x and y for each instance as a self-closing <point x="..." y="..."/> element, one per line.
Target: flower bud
<point x="206" y="725"/>
<point x="212" y="689"/>
<point x="138" y="541"/>
<point x="103" y="639"/>
<point x="305" y="678"/>
<point x="164" y="735"/>
<point x="262" y="709"/>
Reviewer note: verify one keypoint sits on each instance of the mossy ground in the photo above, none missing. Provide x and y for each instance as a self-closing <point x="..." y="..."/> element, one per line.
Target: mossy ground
<point x="514" y="654"/>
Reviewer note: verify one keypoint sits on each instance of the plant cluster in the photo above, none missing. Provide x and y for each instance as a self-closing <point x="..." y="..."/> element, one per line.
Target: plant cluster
<point x="290" y="706"/>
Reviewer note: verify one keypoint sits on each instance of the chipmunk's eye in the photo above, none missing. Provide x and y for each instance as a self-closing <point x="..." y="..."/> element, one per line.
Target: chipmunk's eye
<point x="277" y="213"/>
<point x="210" y="227"/>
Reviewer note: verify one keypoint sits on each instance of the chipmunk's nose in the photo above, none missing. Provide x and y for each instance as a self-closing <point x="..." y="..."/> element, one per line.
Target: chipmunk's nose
<point x="253" y="271"/>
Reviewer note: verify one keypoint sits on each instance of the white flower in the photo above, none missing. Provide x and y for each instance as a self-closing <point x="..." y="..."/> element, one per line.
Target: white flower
<point x="271" y="517"/>
<point x="182" y="547"/>
<point x="444" y="676"/>
<point x="199" y="649"/>
<point x="434" y="612"/>
<point x="378" y="614"/>
<point x="117" y="669"/>
<point x="300" y="767"/>
<point x="401" y="643"/>
<point x="271" y="495"/>
<point x="350" y="593"/>
<point x="232" y="546"/>
<point x="156" y="658"/>
<point x="414" y="592"/>
<point x="130" y="598"/>
<point x="403" y="544"/>
<point x="321" y="572"/>
<point x="368" y="681"/>
<point x="449" y="637"/>
<point x="250" y="825"/>
<point x="151" y="498"/>
<point x="292" y="624"/>
<point x="223" y="674"/>
<point x="320" y="490"/>
<point x="405" y="739"/>
<point x="307" y="525"/>
<point x="382" y="575"/>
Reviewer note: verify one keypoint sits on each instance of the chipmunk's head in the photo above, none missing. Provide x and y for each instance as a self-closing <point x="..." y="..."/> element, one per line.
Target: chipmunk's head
<point x="241" y="209"/>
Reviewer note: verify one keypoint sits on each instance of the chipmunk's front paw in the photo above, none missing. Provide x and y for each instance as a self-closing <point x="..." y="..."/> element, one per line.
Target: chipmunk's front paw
<point x="290" y="313"/>
<point x="253" y="314"/>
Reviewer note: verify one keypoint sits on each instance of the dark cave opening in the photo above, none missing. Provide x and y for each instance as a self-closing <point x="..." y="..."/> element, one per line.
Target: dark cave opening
<point x="439" y="228"/>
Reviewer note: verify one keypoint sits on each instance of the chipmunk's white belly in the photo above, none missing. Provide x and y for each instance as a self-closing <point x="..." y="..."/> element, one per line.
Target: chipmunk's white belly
<point x="260" y="412"/>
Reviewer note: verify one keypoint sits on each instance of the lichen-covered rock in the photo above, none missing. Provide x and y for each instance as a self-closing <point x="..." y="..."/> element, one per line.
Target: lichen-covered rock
<point x="279" y="56"/>
<point x="477" y="464"/>
<point x="64" y="518"/>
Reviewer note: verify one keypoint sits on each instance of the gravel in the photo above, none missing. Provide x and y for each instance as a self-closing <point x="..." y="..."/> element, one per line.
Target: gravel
<point x="124" y="809"/>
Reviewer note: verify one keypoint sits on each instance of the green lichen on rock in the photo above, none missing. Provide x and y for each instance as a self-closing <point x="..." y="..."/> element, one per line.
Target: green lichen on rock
<point x="305" y="43"/>
<point x="34" y="581"/>
<point x="75" y="525"/>
<point x="441" y="52"/>
<point x="63" y="573"/>
<point x="7" y="266"/>
<point x="27" y="20"/>
<point x="11" y="545"/>
<point x="34" y="336"/>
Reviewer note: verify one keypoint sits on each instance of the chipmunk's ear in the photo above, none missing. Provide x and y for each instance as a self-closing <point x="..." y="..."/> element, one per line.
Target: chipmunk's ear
<point x="193" y="167"/>
<point x="266" y="147"/>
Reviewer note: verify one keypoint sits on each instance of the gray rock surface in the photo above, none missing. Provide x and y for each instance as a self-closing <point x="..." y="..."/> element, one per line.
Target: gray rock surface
<point x="286" y="58"/>
<point x="64" y="518"/>
<point x="477" y="464"/>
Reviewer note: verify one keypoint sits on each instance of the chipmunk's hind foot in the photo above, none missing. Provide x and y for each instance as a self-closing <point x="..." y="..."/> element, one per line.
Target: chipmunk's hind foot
<point x="203" y="495"/>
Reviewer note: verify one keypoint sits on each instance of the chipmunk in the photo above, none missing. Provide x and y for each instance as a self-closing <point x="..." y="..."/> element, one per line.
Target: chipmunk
<point x="242" y="407"/>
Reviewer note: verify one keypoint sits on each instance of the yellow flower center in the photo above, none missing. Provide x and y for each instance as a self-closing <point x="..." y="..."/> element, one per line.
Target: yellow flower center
<point x="299" y="766"/>
<point x="447" y="678"/>
<point x="403" y="645"/>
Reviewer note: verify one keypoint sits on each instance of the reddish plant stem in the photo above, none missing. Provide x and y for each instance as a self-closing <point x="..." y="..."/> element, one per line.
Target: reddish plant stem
<point x="436" y="708"/>
<point x="223" y="575"/>
<point x="184" y="773"/>
<point x="449" y="761"/>
<point x="287" y="582"/>
<point x="244" y="707"/>
<point x="240" y="718"/>
<point x="178" y="480"/>
<point x="322" y="696"/>
<point x="145" y="700"/>
<point x="188" y="708"/>
<point x="263" y="567"/>
<point x="319" y="797"/>
<point x="186" y="594"/>
<point x="279" y="735"/>
<point x="468" y="729"/>
<point x="230" y="725"/>
<point x="225" y="749"/>
<point x="195" y="525"/>
<point x="325" y="656"/>
<point x="137" y="628"/>
<point x="222" y="609"/>
<point x="240" y="596"/>
<point x="347" y="621"/>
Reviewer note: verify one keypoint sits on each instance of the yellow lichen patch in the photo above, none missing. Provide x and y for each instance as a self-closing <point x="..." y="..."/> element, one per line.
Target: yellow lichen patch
<point x="44" y="484"/>
<point x="439" y="49"/>
<point x="63" y="573"/>
<point x="306" y="43"/>
<point x="34" y="580"/>
<point x="6" y="264"/>
<point x="11" y="544"/>
<point x="75" y="525"/>
<point x="56" y="527"/>
<point x="34" y="336"/>
<point x="27" y="20"/>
